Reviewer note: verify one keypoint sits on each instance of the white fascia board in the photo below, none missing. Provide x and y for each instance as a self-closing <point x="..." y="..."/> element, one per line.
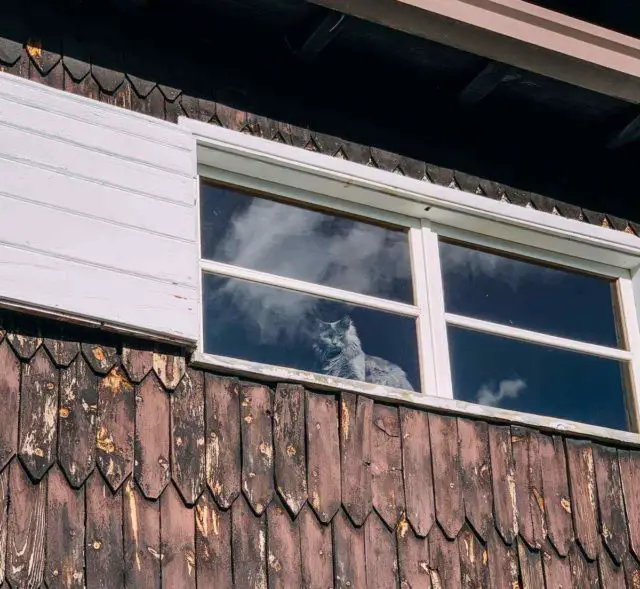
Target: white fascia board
<point x="262" y="164"/>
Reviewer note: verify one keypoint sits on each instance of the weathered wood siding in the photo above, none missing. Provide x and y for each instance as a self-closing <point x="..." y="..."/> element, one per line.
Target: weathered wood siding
<point x="98" y="211"/>
<point x="167" y="476"/>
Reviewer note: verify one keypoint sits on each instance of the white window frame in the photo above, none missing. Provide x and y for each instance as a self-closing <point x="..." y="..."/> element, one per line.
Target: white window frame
<point x="428" y="211"/>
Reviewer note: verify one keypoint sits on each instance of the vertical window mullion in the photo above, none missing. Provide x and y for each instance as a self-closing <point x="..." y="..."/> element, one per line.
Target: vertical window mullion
<point x="439" y="343"/>
<point x="426" y="354"/>
<point x="628" y="301"/>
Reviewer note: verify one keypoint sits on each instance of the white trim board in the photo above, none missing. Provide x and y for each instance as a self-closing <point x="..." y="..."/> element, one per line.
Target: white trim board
<point x="565" y="427"/>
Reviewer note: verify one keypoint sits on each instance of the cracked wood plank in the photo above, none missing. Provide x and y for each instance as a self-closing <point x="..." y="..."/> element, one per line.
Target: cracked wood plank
<point x="289" y="447"/>
<point x="348" y="554"/>
<point x="613" y="522"/>
<point x="584" y="506"/>
<point x="10" y="394"/>
<point x="178" y="563"/>
<point x="356" y="416"/>
<point x="416" y="469"/>
<point x="556" y="568"/>
<point x="387" y="489"/>
<point x="103" y="535"/>
<point x="380" y="554"/>
<point x="443" y="433"/>
<point x="528" y="484"/>
<point x="27" y="525"/>
<point x="323" y="455"/>
<point x="115" y="427"/>
<point x="503" y="482"/>
<point x="583" y="572"/>
<point x="283" y="541"/>
<point x="138" y="363"/>
<point x="223" y="446"/>
<point x="65" y="533"/>
<point x="77" y="421"/>
<point x="101" y="358"/>
<point x="213" y="544"/>
<point x="503" y="563"/>
<point x="142" y="550"/>
<point x="152" y="439"/>
<point x="530" y="566"/>
<point x="188" y="456"/>
<point x="38" y="414"/>
<point x="630" y="474"/>
<point x="611" y="574"/>
<point x="257" y="446"/>
<point x="444" y="559"/>
<point x="475" y="467"/>
<point x="474" y="570"/>
<point x="249" y="545"/>
<point x="557" y="503"/>
<point x="316" y="551"/>
<point x="413" y="558"/>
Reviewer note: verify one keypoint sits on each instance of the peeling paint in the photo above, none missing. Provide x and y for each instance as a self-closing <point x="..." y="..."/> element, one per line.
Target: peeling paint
<point x="566" y="504"/>
<point x="104" y="441"/>
<point x="344" y="421"/>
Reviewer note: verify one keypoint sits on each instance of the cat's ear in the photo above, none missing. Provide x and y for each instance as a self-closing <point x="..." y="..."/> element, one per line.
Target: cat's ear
<point x="345" y="322"/>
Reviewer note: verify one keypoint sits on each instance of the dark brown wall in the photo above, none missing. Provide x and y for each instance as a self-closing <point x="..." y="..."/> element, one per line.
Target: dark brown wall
<point x="122" y="466"/>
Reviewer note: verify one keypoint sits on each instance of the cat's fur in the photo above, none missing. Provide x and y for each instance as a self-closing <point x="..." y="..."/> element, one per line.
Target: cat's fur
<point x="339" y="350"/>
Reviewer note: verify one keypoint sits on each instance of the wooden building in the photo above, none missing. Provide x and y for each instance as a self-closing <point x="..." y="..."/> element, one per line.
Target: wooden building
<point x="331" y="294"/>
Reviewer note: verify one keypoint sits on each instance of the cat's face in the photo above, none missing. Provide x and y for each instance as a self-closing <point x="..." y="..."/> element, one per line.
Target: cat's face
<point x="335" y="336"/>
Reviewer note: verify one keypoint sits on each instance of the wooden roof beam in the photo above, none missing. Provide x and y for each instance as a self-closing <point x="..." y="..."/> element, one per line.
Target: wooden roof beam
<point x="484" y="83"/>
<point x="519" y="34"/>
<point x="321" y="35"/>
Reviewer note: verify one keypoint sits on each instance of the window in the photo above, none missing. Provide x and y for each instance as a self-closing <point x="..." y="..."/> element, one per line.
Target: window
<point x="318" y="271"/>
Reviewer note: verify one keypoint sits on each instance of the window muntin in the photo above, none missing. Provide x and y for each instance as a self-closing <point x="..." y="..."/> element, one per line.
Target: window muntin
<point x="527" y="294"/>
<point x="530" y="378"/>
<point x="315" y="246"/>
<point x="276" y="326"/>
<point x="428" y="311"/>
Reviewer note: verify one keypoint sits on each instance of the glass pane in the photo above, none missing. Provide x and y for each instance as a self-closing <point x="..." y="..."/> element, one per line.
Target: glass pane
<point x="276" y="326"/>
<point x="515" y="292"/>
<point x="291" y="241"/>
<point x="530" y="378"/>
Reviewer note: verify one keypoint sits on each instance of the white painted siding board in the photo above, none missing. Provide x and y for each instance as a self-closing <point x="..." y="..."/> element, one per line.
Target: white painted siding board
<point x="25" y="146"/>
<point x="98" y="212"/>
<point x="97" y="293"/>
<point x="56" y="189"/>
<point x="98" y="137"/>
<point x="88" y="110"/>
<point x="96" y="242"/>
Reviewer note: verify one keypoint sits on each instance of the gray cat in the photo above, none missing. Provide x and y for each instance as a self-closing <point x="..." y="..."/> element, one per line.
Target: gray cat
<point x="339" y="349"/>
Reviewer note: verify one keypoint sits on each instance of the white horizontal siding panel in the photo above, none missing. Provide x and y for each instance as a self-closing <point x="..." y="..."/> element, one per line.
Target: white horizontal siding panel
<point x="26" y="181"/>
<point x="96" y="242"/>
<point x="97" y="212"/>
<point x="98" y="137"/>
<point x="96" y="293"/>
<point x="90" y="111"/>
<point x="25" y="146"/>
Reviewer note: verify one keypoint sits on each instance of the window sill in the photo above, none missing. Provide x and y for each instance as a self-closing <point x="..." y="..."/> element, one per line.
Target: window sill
<point x="314" y="380"/>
